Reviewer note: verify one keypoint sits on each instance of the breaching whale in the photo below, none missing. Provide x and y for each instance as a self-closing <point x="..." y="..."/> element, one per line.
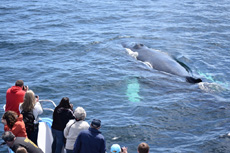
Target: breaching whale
<point x="159" y="60"/>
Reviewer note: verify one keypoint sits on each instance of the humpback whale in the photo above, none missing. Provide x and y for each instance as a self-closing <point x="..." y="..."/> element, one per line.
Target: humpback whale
<point x="159" y="60"/>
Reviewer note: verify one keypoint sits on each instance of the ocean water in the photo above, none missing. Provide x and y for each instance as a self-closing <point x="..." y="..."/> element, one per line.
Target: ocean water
<point x="73" y="48"/>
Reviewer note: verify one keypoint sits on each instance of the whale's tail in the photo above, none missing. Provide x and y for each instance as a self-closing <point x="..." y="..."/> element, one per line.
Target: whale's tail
<point x="193" y="80"/>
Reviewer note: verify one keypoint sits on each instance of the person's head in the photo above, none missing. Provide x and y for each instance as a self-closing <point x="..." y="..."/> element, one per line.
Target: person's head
<point x="96" y="124"/>
<point x="21" y="150"/>
<point x="19" y="83"/>
<point x="115" y="148"/>
<point x="143" y="148"/>
<point x="10" y="117"/>
<point x="29" y="101"/>
<point x="80" y="113"/>
<point x="8" y="137"/>
<point x="64" y="103"/>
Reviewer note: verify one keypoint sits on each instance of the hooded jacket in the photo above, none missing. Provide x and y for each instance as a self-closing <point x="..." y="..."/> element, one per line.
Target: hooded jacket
<point x="14" y="96"/>
<point x="19" y="129"/>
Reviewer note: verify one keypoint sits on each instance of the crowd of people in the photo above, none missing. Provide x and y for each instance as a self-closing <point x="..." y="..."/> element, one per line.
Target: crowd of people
<point x="69" y="128"/>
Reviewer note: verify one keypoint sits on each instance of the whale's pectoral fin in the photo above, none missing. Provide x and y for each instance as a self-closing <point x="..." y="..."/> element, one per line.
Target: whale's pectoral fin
<point x="193" y="80"/>
<point x="183" y="65"/>
<point x="148" y="64"/>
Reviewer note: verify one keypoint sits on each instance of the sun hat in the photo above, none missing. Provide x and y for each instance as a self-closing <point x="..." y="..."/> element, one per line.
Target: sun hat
<point x="115" y="148"/>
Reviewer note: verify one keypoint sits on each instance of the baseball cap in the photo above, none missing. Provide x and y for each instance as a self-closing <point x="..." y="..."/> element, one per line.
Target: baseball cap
<point x="115" y="148"/>
<point x="96" y="123"/>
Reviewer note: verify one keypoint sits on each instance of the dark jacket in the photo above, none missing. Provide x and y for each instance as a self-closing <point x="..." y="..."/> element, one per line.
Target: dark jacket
<point x="26" y="143"/>
<point x="90" y="141"/>
<point x="61" y="117"/>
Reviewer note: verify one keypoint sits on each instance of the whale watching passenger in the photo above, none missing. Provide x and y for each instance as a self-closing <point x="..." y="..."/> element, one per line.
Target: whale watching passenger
<point x="74" y="127"/>
<point x="91" y="137"/>
<point x="115" y="148"/>
<point x="15" y="95"/>
<point x="15" y="142"/>
<point x="14" y="123"/>
<point x="61" y="116"/>
<point x="143" y="148"/>
<point x="30" y="109"/>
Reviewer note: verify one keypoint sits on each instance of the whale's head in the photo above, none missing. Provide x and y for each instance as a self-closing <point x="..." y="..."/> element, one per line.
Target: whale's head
<point x="130" y="48"/>
<point x="133" y="45"/>
<point x="138" y="46"/>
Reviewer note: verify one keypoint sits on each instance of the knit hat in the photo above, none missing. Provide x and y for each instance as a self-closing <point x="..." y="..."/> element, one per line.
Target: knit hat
<point x="80" y="113"/>
<point x="115" y="148"/>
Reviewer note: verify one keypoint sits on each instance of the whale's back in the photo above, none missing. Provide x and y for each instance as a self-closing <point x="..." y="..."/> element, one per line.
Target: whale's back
<point x="161" y="61"/>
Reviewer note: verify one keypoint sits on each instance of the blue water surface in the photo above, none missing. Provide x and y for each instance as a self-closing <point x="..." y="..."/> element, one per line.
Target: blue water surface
<point x="73" y="48"/>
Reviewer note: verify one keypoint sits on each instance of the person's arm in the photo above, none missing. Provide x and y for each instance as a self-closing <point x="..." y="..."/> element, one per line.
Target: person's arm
<point x="70" y="114"/>
<point x="67" y="127"/>
<point x="6" y="128"/>
<point x="103" y="147"/>
<point x="124" y="150"/>
<point x="17" y="128"/>
<point x="38" y="108"/>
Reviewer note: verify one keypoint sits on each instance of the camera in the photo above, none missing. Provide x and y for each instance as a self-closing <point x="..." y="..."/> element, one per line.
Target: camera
<point x="24" y="87"/>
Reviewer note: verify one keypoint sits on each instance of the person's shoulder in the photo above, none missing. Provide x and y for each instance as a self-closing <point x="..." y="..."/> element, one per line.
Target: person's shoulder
<point x="83" y="132"/>
<point x="37" y="106"/>
<point x="101" y="136"/>
<point x="18" y="139"/>
<point x="20" y="117"/>
<point x="70" y="122"/>
<point x="69" y="110"/>
<point x="8" y="90"/>
<point x="84" y="123"/>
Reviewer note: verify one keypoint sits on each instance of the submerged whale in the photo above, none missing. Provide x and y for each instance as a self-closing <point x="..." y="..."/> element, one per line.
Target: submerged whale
<point x="159" y="60"/>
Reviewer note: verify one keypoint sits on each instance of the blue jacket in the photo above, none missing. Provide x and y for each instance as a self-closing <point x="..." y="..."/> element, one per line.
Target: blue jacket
<point x="90" y="141"/>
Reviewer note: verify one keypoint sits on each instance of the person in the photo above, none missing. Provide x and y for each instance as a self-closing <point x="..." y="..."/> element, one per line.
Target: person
<point x="15" y="142"/>
<point x="30" y="109"/>
<point x="74" y="127"/>
<point x="14" y="123"/>
<point x="61" y="116"/>
<point x="115" y="148"/>
<point x="143" y="148"/>
<point x="15" y="95"/>
<point x="21" y="150"/>
<point x="91" y="140"/>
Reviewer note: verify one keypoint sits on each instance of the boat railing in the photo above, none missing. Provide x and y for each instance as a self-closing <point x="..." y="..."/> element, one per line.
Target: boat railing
<point x="42" y="103"/>
<point x="47" y="101"/>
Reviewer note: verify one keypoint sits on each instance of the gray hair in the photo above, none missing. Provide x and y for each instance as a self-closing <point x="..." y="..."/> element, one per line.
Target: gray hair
<point x="80" y="113"/>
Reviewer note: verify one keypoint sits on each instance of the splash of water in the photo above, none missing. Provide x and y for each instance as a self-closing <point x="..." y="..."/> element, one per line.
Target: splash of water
<point x="214" y="85"/>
